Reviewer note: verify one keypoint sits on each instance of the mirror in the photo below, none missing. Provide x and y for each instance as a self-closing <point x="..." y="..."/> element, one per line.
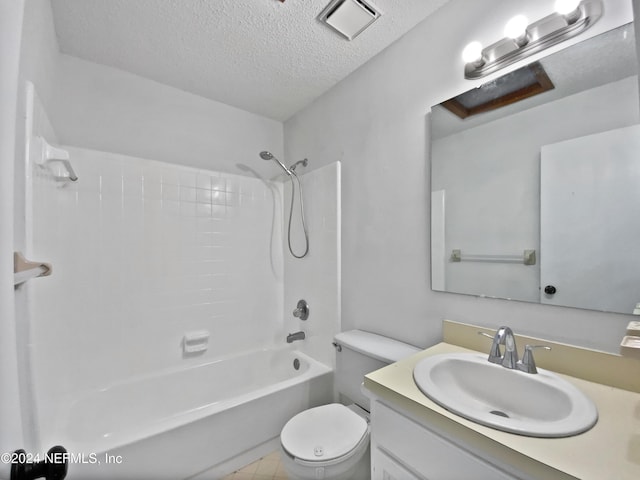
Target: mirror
<point x="539" y="200"/>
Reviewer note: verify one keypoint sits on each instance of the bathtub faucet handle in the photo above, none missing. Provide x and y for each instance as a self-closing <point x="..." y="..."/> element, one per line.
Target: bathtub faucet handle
<point x="302" y="310"/>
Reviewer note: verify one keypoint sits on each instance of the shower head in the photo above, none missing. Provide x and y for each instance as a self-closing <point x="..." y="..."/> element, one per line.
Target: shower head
<point x="302" y="162"/>
<point x="269" y="156"/>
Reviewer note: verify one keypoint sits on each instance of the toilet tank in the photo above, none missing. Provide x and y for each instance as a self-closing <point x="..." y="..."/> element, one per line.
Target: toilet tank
<point x="363" y="352"/>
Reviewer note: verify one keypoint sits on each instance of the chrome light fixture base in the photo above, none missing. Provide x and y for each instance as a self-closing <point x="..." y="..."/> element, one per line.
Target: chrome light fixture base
<point x="540" y="35"/>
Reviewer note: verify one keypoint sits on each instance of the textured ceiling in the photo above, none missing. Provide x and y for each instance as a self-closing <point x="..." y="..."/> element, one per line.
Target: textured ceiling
<point x="263" y="56"/>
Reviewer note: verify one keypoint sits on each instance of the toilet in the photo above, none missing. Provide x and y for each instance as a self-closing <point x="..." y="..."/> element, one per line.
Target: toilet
<point x="332" y="441"/>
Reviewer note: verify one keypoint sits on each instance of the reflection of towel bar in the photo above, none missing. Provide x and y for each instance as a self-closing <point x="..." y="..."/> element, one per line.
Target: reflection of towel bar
<point x="24" y="270"/>
<point x="527" y="258"/>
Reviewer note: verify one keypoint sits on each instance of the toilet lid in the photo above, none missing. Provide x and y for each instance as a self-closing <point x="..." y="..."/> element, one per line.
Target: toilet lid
<point x="323" y="433"/>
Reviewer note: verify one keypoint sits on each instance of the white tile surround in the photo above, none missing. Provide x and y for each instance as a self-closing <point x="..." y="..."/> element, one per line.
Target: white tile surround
<point x="145" y="251"/>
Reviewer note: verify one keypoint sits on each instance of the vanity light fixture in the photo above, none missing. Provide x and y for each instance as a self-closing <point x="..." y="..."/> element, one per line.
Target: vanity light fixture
<point x="516" y="30"/>
<point x="569" y="9"/>
<point x="571" y="17"/>
<point x="472" y="53"/>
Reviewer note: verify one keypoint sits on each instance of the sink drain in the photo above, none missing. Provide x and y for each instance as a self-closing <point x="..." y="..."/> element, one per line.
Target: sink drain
<point x="499" y="413"/>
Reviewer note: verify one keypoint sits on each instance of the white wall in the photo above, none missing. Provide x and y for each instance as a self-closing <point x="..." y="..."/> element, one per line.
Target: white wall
<point x="11" y="16"/>
<point x="38" y="62"/>
<point x="375" y="122"/>
<point x="40" y="51"/>
<point x="636" y="9"/>
<point x="107" y="109"/>
<point x="39" y="59"/>
<point x="493" y="187"/>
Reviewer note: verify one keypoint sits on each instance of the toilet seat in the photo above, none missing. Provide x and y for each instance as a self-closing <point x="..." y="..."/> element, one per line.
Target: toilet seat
<point x="324" y="433"/>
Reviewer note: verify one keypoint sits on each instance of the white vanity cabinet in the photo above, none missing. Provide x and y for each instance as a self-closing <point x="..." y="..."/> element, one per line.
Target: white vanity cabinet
<point x="405" y="449"/>
<point x="414" y="438"/>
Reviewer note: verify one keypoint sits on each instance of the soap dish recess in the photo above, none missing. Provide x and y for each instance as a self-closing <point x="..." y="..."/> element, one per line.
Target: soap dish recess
<point x="195" y="342"/>
<point x="630" y="347"/>
<point x="633" y="329"/>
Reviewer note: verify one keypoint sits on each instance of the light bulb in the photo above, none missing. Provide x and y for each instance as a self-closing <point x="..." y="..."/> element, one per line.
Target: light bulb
<point x="563" y="7"/>
<point x="472" y="53"/>
<point x="516" y="29"/>
<point x="569" y="9"/>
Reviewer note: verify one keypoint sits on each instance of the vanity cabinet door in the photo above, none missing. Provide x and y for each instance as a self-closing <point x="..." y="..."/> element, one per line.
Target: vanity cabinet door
<point x="419" y="450"/>
<point x="386" y="468"/>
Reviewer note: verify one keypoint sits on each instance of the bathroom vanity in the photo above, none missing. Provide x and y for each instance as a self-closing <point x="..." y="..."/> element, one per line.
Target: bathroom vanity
<point x="414" y="438"/>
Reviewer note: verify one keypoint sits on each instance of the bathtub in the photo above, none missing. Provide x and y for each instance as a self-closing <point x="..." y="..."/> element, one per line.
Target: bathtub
<point x="178" y="424"/>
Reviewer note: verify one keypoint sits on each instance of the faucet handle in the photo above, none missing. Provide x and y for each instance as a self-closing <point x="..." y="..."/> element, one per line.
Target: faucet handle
<point x="495" y="356"/>
<point x="302" y="310"/>
<point x="528" y="363"/>
<point x="510" y="357"/>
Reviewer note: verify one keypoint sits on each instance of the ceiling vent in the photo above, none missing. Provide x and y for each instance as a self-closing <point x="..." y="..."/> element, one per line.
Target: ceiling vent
<point x="349" y="17"/>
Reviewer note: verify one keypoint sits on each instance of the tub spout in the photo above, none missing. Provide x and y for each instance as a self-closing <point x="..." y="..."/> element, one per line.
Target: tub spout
<point x="292" y="337"/>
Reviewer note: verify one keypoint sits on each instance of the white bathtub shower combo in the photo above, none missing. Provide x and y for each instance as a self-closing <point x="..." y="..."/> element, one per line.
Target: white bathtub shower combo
<point x="205" y="415"/>
<point x="159" y="340"/>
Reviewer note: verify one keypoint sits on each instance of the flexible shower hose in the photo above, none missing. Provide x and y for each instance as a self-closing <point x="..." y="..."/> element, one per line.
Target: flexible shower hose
<point x="304" y="225"/>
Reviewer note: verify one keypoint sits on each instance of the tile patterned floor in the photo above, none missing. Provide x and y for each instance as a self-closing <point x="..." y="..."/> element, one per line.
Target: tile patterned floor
<point x="267" y="468"/>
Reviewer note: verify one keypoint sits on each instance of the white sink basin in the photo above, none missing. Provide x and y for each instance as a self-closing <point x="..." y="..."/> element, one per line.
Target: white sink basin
<point x="535" y="405"/>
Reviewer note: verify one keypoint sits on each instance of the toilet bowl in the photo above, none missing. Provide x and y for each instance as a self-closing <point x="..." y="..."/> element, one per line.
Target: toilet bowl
<point x="327" y="442"/>
<point x="332" y="441"/>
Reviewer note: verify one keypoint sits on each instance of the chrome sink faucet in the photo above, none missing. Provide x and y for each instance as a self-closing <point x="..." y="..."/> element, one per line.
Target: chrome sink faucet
<point x="504" y="336"/>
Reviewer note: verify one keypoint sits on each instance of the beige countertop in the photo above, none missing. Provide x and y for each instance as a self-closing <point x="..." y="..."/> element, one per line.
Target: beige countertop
<point x="610" y="450"/>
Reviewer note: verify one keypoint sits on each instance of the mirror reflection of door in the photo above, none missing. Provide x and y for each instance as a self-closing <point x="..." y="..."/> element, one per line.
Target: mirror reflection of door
<point x="590" y="187"/>
<point x="487" y="166"/>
